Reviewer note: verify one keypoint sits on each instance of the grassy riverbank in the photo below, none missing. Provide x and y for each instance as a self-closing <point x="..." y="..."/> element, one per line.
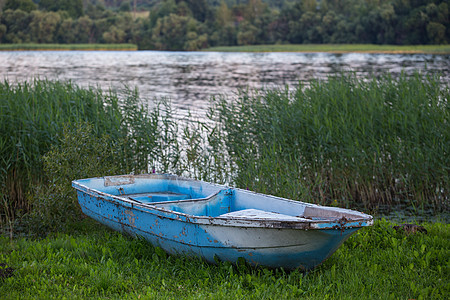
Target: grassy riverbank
<point x="67" y="47"/>
<point x="93" y="262"/>
<point x="345" y="141"/>
<point x="338" y="48"/>
<point x="307" y="48"/>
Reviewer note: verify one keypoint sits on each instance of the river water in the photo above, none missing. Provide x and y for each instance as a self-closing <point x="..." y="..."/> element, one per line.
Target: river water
<point x="190" y="79"/>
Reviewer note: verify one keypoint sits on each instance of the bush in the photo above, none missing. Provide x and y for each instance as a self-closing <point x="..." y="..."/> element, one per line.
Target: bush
<point x="80" y="154"/>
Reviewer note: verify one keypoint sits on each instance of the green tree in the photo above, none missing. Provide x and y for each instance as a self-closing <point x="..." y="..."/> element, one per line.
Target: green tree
<point x="125" y="6"/>
<point x="343" y="32"/>
<point x="224" y="30"/>
<point x="436" y="33"/>
<point x="443" y="14"/>
<point x="200" y="9"/>
<point x="73" y="7"/>
<point x="183" y="9"/>
<point x="66" y="32"/>
<point x="165" y="8"/>
<point x="309" y="25"/>
<point x="329" y="21"/>
<point x="381" y="25"/>
<point x="246" y="34"/>
<point x="142" y="34"/>
<point x="84" y="30"/>
<point x="254" y="10"/>
<point x="195" y="42"/>
<point x="290" y="16"/>
<point x="25" y="5"/>
<point x="309" y="5"/>
<point x="114" y="35"/>
<point x="223" y="15"/>
<point x="415" y="26"/>
<point x="2" y="31"/>
<point x="98" y="11"/>
<point x="16" y="22"/>
<point x="43" y="26"/>
<point x="174" y="32"/>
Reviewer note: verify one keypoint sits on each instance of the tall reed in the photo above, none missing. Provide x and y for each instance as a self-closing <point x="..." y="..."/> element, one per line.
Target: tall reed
<point x="33" y="115"/>
<point x="342" y="141"/>
<point x="345" y="139"/>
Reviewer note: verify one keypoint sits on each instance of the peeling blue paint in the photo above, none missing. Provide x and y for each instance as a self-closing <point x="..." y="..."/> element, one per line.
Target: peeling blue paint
<point x="185" y="216"/>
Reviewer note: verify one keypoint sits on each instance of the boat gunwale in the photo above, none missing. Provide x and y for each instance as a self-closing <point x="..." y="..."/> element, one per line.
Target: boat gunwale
<point x="321" y="224"/>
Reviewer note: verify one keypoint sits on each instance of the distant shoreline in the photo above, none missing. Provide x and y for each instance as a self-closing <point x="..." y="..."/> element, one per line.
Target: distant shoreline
<point x="338" y="48"/>
<point x="68" y="47"/>
<point x="295" y="48"/>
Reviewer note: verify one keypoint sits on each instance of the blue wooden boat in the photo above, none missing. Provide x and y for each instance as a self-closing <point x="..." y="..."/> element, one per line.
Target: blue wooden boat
<point x="195" y="218"/>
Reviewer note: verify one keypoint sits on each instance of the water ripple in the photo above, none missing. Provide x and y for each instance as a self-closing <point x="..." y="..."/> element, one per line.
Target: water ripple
<point x="190" y="79"/>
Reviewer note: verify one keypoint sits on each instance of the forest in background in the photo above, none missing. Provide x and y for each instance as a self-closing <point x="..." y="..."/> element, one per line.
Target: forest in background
<point x="198" y="24"/>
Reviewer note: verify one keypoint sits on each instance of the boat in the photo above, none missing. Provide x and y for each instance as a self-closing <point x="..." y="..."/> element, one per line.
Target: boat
<point x="216" y="222"/>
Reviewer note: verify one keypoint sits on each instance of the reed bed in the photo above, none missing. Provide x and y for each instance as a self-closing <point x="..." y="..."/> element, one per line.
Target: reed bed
<point x="343" y="141"/>
<point x="33" y="118"/>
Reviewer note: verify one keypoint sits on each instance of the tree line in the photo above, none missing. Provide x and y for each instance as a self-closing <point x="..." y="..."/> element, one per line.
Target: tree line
<point x="197" y="24"/>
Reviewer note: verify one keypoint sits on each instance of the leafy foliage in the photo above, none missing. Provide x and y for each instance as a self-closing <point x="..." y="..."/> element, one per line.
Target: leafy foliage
<point x="197" y="24"/>
<point x="73" y="7"/>
<point x="79" y="154"/>
<point x="24" y="5"/>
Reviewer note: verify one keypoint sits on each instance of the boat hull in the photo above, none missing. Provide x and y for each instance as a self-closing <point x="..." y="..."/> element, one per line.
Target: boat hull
<point x="260" y="241"/>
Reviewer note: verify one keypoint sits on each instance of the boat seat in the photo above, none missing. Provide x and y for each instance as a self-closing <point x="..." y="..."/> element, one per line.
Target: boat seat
<point x="157" y="197"/>
<point x="261" y="214"/>
<point x="210" y="206"/>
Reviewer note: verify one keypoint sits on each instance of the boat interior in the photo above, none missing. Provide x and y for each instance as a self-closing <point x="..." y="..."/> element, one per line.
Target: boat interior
<point x="198" y="198"/>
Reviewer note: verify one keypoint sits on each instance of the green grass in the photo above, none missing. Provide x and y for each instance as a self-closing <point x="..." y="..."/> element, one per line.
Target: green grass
<point x="337" y="48"/>
<point x="93" y="262"/>
<point x="32" y="47"/>
<point x="332" y="48"/>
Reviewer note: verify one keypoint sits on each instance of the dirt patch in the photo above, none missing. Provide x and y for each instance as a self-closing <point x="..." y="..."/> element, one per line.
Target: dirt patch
<point x="5" y="271"/>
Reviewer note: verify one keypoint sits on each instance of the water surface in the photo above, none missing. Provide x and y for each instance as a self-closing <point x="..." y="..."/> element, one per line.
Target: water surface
<point x="190" y="79"/>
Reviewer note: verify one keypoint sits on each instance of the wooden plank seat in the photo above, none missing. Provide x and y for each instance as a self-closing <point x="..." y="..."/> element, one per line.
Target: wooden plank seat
<point x="261" y="214"/>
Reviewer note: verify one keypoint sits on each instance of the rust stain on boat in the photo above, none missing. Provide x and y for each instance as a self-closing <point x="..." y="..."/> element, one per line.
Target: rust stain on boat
<point x="131" y="217"/>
